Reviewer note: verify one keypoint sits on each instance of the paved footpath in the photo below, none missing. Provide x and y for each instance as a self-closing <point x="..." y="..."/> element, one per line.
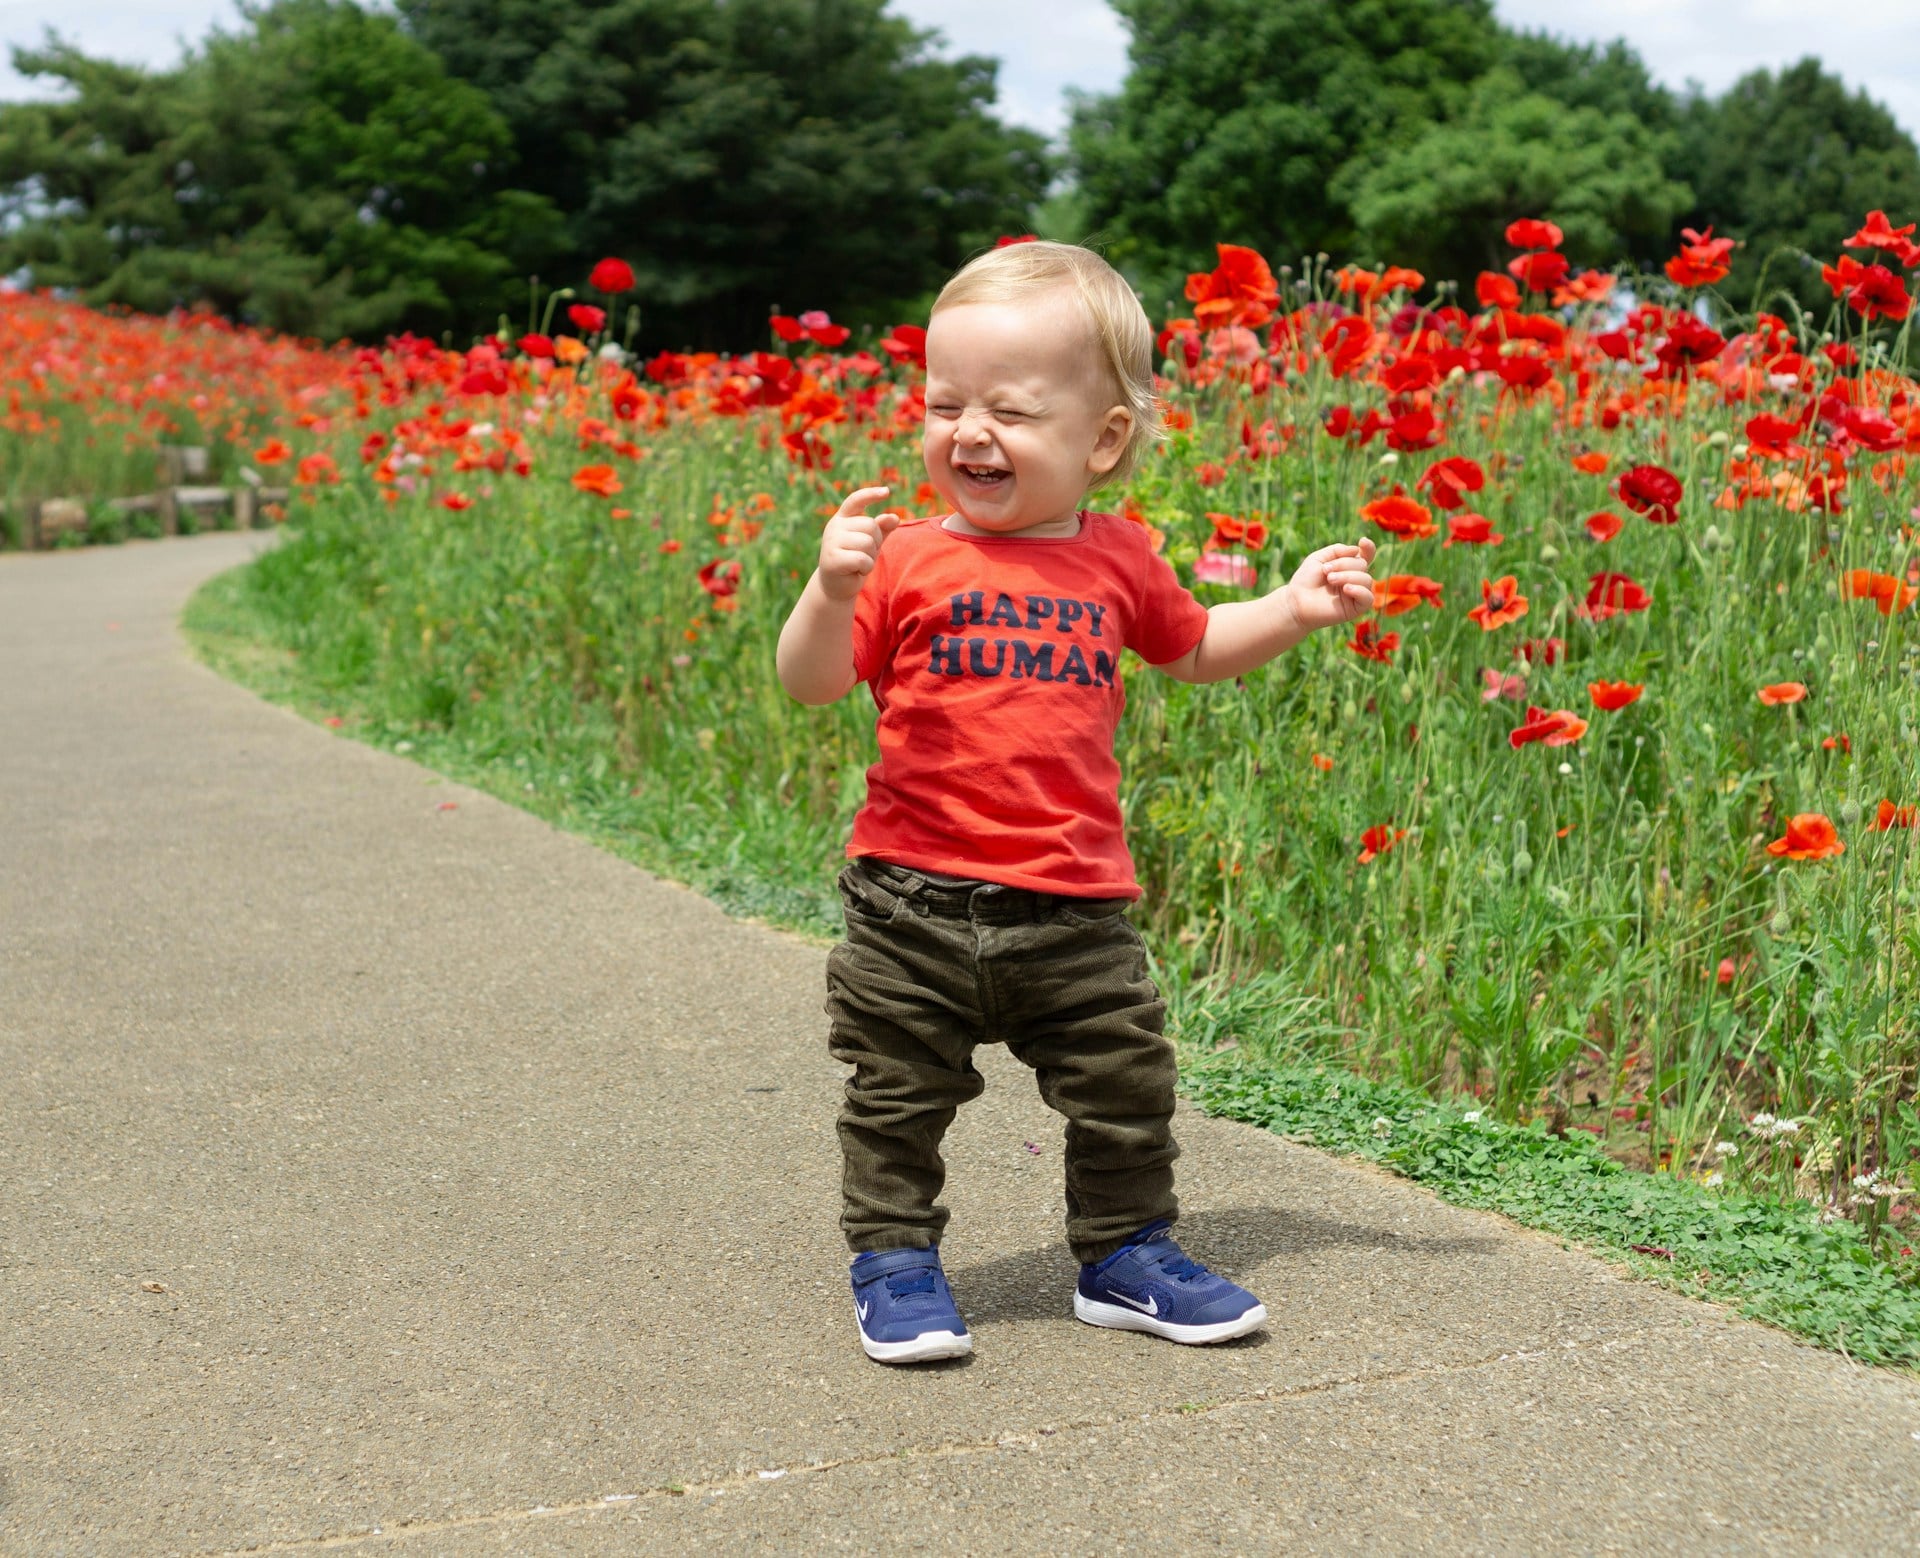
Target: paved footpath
<point x="375" y="1176"/>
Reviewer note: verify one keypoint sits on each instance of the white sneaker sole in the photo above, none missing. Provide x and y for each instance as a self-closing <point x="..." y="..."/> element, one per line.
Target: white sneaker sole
<point x="919" y="1349"/>
<point x="1116" y="1317"/>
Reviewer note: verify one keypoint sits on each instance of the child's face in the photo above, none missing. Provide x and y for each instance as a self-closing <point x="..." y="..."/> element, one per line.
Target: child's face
<point x="1019" y="419"/>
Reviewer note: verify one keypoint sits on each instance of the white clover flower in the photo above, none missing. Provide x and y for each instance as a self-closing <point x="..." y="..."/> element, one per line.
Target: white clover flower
<point x="613" y="351"/>
<point x="1725" y="1149"/>
<point x="1383" y="1127"/>
<point x="1472" y="1116"/>
<point x="1762" y="1123"/>
<point x="1715" y="1179"/>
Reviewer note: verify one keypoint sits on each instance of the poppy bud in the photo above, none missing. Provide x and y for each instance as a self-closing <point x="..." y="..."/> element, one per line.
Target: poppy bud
<point x="1710" y="541"/>
<point x="1780" y="925"/>
<point x="1849" y="812"/>
<point x="1522" y="865"/>
<point x="1549" y="553"/>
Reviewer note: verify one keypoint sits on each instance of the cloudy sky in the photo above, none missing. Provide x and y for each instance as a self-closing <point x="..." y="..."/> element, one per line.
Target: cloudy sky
<point x="1871" y="44"/>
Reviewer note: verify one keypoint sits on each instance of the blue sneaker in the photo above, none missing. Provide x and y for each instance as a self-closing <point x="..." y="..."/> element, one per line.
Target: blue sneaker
<point x="1150" y="1285"/>
<point x="905" y="1308"/>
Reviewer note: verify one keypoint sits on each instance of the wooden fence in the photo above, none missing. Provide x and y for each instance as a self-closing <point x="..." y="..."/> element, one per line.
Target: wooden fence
<point x="181" y="466"/>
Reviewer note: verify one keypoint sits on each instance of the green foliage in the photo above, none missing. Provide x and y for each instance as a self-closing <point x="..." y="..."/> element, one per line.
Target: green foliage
<point x="1789" y="164"/>
<point x="1249" y="121"/>
<point x="1774" y="1262"/>
<point x="316" y="173"/>
<point x="790" y="153"/>
<point x="1419" y="128"/>
<point x="1442" y="204"/>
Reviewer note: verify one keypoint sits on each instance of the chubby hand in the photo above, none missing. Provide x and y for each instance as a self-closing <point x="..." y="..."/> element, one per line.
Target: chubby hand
<point x="1332" y="586"/>
<point x="850" y="545"/>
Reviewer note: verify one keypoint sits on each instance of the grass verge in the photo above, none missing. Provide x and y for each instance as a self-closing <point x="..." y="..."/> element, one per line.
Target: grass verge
<point x="1772" y="1261"/>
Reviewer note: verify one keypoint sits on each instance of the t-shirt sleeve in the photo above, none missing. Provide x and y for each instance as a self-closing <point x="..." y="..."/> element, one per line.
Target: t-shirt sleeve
<point x="871" y="621"/>
<point x="1168" y="621"/>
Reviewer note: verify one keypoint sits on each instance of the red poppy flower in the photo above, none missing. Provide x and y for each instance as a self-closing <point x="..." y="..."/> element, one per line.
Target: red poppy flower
<point x="1496" y="291"/>
<point x="1702" y="259"/>
<point x="1496" y="684"/>
<point x="1400" y="515"/>
<point x="586" y="317"/>
<point x="1890" y="815"/>
<point x="1402" y="592"/>
<point x="1412" y="431"/>
<point x="598" y="479"/>
<point x="1649" y="490"/>
<point x="1591" y="463"/>
<point x="906" y="343"/>
<point x="1838" y="743"/>
<point x="611" y="275"/>
<point x="1240" y="290"/>
<point x="1611" y="592"/>
<point x="1500" y="603"/>
<point x="1541" y="651"/>
<point x="1809" y="836"/>
<point x="1614" y="695"/>
<point x="1530" y="232"/>
<point x="1782" y="692"/>
<point x="1688" y="344"/>
<point x="1449" y="481"/>
<point x="1590" y="286"/>
<point x="1556" y="728"/>
<point x="272" y="452"/>
<point x="1604" y="526"/>
<point x="455" y="501"/>
<point x="1369" y="647"/>
<point x="720" y="578"/>
<point x="1871" y="291"/>
<point x="1323" y="763"/>
<point x="316" y="470"/>
<point x="1377" y="840"/>
<point x="1878" y="233"/>
<point x="1540" y="271"/>
<point x="1230" y="531"/>
<point x="1887" y="593"/>
<point x="1727" y="969"/>
<point x="536" y="345"/>
<point x="1471" y="530"/>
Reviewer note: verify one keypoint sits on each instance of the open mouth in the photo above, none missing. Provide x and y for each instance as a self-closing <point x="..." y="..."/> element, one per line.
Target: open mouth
<point x="984" y="475"/>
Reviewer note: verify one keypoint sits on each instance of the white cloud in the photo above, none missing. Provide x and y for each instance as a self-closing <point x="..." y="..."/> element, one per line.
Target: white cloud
<point x="1872" y="45"/>
<point x="1082" y="44"/>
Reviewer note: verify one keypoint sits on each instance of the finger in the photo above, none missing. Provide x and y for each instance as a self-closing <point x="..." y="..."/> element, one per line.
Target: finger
<point x="1366" y="549"/>
<point x="860" y="497"/>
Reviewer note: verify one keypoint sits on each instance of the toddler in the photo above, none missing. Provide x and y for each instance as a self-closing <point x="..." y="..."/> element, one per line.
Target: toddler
<point x="989" y="879"/>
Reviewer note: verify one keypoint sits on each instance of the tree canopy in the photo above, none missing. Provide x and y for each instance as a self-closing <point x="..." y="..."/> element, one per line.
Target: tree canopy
<point x="334" y="171"/>
<point x="317" y="172"/>
<point x="1412" y="131"/>
<point x="804" y="153"/>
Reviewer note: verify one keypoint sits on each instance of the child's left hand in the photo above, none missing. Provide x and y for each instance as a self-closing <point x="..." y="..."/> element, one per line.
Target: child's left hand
<point x="1333" y="586"/>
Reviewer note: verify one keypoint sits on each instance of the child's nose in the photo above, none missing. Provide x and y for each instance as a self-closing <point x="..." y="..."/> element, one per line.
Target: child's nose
<point x="973" y="428"/>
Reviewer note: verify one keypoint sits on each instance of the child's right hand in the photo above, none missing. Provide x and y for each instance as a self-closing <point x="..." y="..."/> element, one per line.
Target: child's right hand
<point x="850" y="545"/>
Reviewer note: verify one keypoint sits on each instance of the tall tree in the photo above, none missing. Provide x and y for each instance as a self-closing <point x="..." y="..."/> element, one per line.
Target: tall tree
<point x="1789" y="164"/>
<point x="316" y="172"/>
<point x="1252" y="121"/>
<point x="799" y="153"/>
<point x="1443" y="203"/>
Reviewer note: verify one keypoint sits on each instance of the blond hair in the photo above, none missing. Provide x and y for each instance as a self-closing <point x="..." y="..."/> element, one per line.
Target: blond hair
<point x="1018" y="271"/>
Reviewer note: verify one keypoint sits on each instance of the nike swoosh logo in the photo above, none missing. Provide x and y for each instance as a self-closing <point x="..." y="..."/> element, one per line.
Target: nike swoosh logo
<point x="1151" y="1306"/>
<point x="863" y="1308"/>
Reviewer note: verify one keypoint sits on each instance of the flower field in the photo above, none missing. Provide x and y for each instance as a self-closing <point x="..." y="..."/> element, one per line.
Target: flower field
<point x="1605" y="816"/>
<point x="85" y="397"/>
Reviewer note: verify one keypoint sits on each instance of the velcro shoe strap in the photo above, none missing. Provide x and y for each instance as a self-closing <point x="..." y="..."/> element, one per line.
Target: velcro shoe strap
<point x="886" y="1264"/>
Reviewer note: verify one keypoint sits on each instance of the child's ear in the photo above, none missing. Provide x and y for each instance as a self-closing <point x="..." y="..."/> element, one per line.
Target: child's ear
<point x="1111" y="442"/>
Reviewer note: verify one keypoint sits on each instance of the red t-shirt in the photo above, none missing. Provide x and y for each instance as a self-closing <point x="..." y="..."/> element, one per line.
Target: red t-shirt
<point x="995" y="664"/>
